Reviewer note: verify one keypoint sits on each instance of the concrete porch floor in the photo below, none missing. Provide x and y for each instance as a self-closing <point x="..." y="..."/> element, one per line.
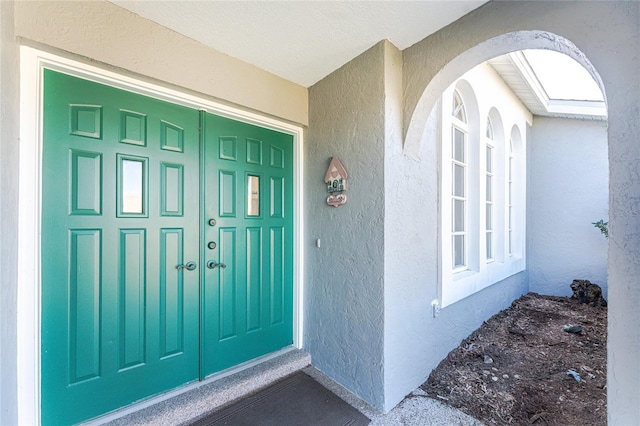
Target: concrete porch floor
<point x="194" y="401"/>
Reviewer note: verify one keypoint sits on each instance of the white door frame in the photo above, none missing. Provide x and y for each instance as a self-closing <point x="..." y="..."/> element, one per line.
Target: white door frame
<point x="32" y="63"/>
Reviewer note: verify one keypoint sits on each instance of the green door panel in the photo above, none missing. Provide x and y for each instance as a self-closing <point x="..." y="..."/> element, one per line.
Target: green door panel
<point x="248" y="191"/>
<point x="120" y="189"/>
<point x="141" y="292"/>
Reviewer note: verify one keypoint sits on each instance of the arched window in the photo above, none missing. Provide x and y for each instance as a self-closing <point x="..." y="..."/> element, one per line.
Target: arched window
<point x="459" y="187"/>
<point x="489" y="190"/>
<point x="482" y="190"/>
<point x="489" y="132"/>
<point x="458" y="110"/>
<point x="510" y="209"/>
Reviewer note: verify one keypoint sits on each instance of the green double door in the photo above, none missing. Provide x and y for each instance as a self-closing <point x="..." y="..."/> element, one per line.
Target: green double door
<point x="167" y="246"/>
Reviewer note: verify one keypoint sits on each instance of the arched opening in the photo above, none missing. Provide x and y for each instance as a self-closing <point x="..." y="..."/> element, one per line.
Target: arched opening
<point x="517" y="145"/>
<point x="493" y="30"/>
<point x="500" y="45"/>
<point x="540" y="159"/>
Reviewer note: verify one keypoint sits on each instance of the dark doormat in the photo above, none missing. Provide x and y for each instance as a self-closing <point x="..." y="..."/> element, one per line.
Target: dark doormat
<point x="297" y="400"/>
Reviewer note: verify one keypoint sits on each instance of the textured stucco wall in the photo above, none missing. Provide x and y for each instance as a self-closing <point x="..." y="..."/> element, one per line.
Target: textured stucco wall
<point x="608" y="33"/>
<point x="344" y="277"/>
<point x="415" y="342"/>
<point x="568" y="190"/>
<point x="106" y="33"/>
<point x="9" y="144"/>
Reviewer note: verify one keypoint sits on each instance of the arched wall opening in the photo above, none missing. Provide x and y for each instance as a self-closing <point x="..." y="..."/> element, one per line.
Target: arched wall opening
<point x="608" y="33"/>
<point x="419" y="112"/>
<point x="577" y="251"/>
<point x="420" y="118"/>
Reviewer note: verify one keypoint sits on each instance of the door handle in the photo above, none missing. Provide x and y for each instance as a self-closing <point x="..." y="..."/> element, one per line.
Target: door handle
<point x="212" y="264"/>
<point x="189" y="266"/>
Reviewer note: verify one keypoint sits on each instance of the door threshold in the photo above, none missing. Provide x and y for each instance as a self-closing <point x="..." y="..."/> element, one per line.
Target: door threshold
<point x="191" y="401"/>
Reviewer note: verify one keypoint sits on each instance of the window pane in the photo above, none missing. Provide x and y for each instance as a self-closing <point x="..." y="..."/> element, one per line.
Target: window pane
<point x="510" y="217"/>
<point x="489" y="182"/>
<point x="132" y="178"/>
<point x="458" y="108"/>
<point x="458" y="180"/>
<point x="489" y="159"/>
<point x="458" y="145"/>
<point x="253" y="196"/>
<point x="458" y="251"/>
<point x="458" y="216"/>
<point x="489" y="209"/>
<point x="510" y="242"/>
<point x="489" y="245"/>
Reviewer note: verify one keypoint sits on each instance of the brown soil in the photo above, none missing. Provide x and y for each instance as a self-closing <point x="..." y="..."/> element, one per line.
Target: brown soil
<point x="513" y="369"/>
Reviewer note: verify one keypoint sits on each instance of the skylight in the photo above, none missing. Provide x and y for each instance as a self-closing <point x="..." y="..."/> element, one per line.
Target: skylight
<point x="561" y="77"/>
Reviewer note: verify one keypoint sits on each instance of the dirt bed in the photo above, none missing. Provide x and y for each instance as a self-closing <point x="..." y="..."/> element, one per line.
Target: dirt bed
<point x="515" y="368"/>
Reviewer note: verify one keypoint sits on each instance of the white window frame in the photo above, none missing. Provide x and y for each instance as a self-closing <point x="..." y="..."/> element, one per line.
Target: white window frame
<point x="459" y="125"/>
<point x="510" y="222"/>
<point x="480" y="270"/>
<point x="490" y="188"/>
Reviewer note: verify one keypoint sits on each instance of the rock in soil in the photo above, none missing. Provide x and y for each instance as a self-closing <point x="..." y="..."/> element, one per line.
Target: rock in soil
<point x="587" y="292"/>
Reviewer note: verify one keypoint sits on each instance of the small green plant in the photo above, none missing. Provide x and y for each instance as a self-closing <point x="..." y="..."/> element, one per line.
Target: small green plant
<point x="602" y="226"/>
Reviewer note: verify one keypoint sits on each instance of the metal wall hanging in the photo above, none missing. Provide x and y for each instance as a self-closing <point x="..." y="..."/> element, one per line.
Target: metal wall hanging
<point x="336" y="180"/>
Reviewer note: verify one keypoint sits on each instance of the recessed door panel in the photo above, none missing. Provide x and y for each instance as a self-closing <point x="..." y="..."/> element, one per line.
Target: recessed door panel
<point x="84" y="304"/>
<point x="171" y="292"/>
<point x="277" y="274"/>
<point x="131" y="297"/>
<point x="86" y="183"/>
<point x="228" y="193"/>
<point x="254" y="279"/>
<point x="227" y="285"/>
<point x="172" y="181"/>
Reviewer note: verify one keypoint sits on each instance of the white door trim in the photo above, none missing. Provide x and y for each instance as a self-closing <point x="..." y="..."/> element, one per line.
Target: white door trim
<point x="32" y="63"/>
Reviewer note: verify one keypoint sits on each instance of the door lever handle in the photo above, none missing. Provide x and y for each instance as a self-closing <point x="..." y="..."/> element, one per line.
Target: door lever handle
<point x="212" y="264"/>
<point x="189" y="266"/>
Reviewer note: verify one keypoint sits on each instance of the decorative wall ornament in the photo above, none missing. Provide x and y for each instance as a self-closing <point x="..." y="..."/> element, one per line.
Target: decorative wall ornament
<point x="336" y="180"/>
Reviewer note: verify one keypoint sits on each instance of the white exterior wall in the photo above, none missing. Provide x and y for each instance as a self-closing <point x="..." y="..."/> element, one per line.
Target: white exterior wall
<point x="568" y="191"/>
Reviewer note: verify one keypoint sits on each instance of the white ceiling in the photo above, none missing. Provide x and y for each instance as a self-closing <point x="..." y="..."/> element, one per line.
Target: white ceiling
<point x="301" y="41"/>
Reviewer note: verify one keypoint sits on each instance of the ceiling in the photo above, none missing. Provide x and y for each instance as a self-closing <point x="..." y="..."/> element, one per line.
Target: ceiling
<point x="301" y="41"/>
<point x="304" y="41"/>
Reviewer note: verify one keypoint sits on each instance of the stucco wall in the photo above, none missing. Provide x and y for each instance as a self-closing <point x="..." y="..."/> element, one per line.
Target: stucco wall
<point x="568" y="190"/>
<point x="415" y="341"/>
<point x="104" y="32"/>
<point x="344" y="277"/>
<point x="9" y="121"/>
<point x="608" y="33"/>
